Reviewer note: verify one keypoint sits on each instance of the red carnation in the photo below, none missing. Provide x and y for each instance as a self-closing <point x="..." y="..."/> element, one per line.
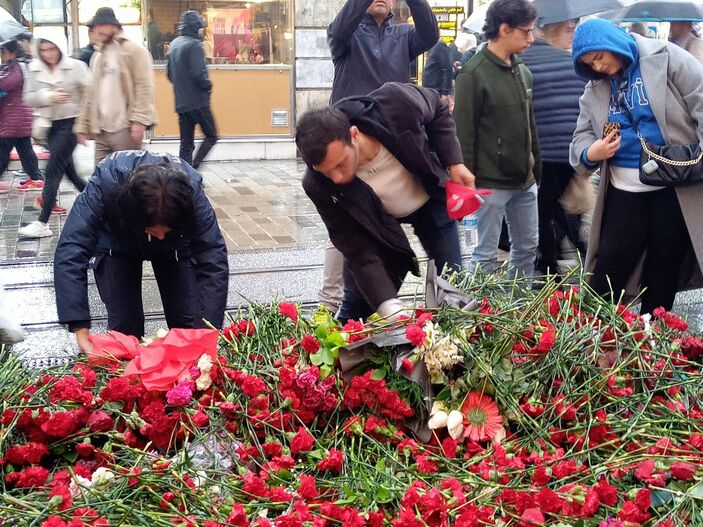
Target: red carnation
<point x="301" y="442"/>
<point x="310" y="344"/>
<point x="289" y="309"/>
<point x="531" y="517"/>
<point x="238" y="517"/>
<point x="29" y="454"/>
<point x="333" y="463"/>
<point x="32" y="477"/>
<point x="425" y="465"/>
<point x="415" y="335"/>
<point x="253" y="386"/>
<point x="307" y="489"/>
<point x="60" y="425"/>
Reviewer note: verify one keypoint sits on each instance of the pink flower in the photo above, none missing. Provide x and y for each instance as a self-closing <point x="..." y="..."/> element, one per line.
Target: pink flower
<point x="181" y="394"/>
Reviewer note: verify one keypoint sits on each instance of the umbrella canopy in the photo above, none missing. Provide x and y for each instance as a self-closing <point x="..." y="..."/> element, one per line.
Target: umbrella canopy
<point x="552" y="11"/>
<point x="659" y="11"/>
<point x="10" y="29"/>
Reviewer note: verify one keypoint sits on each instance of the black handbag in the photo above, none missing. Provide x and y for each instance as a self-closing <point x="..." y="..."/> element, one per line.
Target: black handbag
<point x="667" y="165"/>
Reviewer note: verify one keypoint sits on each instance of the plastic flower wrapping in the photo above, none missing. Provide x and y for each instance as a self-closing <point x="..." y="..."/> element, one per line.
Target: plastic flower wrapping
<point x="491" y="404"/>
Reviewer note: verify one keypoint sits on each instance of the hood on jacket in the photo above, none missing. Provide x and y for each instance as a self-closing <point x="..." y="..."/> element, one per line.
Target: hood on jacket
<point x="59" y="44"/>
<point x="601" y="35"/>
<point x="190" y="24"/>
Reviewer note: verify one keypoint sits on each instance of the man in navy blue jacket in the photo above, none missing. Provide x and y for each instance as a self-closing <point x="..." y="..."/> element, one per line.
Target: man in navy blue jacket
<point x="138" y="206"/>
<point x="187" y="70"/>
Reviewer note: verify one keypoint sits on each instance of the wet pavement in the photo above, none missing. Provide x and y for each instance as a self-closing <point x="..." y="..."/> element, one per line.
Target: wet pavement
<point x="274" y="237"/>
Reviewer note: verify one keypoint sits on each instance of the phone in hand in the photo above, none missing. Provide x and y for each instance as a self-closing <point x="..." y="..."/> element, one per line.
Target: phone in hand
<point x="608" y="129"/>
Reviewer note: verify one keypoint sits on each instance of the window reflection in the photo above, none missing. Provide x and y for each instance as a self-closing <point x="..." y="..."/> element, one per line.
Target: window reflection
<point x="237" y="32"/>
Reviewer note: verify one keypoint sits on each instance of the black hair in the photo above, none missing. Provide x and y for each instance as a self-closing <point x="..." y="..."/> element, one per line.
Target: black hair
<point x="157" y="195"/>
<point x="318" y="128"/>
<point x="12" y="46"/>
<point x="515" y="13"/>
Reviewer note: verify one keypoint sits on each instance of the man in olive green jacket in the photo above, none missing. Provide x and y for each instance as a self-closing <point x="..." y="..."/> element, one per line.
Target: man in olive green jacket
<point x="496" y="129"/>
<point x="119" y="106"/>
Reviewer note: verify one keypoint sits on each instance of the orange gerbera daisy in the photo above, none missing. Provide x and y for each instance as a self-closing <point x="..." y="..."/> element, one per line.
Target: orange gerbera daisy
<point x="482" y="417"/>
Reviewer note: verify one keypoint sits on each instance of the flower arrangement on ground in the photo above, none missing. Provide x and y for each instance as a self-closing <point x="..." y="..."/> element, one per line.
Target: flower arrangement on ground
<point x="539" y="408"/>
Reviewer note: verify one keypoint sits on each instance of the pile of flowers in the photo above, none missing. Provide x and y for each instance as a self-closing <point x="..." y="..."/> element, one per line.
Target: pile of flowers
<point x="541" y="408"/>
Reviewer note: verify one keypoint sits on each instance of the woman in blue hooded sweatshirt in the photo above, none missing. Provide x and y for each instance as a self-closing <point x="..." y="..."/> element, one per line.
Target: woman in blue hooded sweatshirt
<point x="641" y="236"/>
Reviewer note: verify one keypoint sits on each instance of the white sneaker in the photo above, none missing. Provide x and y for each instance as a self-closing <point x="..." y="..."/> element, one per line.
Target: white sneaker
<point x="36" y="229"/>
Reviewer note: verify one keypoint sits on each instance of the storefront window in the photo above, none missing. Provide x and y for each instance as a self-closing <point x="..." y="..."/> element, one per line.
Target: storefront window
<point x="256" y="32"/>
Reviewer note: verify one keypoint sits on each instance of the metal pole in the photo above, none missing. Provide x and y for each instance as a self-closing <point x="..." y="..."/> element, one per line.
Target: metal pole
<point x="75" y="24"/>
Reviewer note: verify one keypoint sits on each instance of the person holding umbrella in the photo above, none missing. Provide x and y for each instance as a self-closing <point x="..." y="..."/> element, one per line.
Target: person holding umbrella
<point x="681" y="34"/>
<point x="641" y="235"/>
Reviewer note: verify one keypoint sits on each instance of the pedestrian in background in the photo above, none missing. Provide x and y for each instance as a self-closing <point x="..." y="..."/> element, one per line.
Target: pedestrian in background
<point x="496" y="128"/>
<point x="86" y="52"/>
<point x="55" y="87"/>
<point x="438" y="71"/>
<point x="641" y="235"/>
<point x="557" y="90"/>
<point x="16" y="119"/>
<point x="368" y="50"/>
<point x="683" y="35"/>
<point x="187" y="70"/>
<point x="119" y="106"/>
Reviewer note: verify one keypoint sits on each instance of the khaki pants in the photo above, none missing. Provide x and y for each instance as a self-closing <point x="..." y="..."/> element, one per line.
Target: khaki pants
<point x="108" y="142"/>
<point x="332" y="281"/>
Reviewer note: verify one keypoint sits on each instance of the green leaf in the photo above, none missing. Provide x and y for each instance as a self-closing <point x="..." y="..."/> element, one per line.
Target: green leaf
<point x="661" y="497"/>
<point x="335" y="339"/>
<point x="379" y="374"/>
<point x="383" y="494"/>
<point x="316" y="358"/>
<point x="325" y="371"/>
<point x="321" y="332"/>
<point x="328" y="356"/>
<point x="381" y="465"/>
<point x="697" y="491"/>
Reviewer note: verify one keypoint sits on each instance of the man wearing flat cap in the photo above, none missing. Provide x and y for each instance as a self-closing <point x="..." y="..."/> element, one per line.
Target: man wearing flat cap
<point x="119" y="106"/>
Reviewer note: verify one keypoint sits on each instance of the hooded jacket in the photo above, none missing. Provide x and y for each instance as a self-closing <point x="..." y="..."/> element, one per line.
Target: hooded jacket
<point x="186" y="67"/>
<point x="15" y="117"/>
<point x="673" y="81"/>
<point x="628" y="89"/>
<point x="96" y="226"/>
<point x="366" y="55"/>
<point x="69" y="75"/>
<point x="415" y="126"/>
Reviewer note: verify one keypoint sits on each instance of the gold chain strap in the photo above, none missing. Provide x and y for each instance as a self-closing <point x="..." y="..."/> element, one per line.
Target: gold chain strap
<point x="661" y="159"/>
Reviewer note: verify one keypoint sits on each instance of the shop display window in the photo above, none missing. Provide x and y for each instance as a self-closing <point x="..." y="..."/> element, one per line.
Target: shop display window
<point x="243" y="33"/>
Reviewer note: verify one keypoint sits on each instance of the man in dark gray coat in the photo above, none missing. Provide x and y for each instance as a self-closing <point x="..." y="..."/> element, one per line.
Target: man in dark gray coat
<point x="187" y="70"/>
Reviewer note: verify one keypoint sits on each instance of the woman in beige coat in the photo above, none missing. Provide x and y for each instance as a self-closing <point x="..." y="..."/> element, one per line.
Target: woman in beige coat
<point x="55" y="86"/>
<point x="641" y="236"/>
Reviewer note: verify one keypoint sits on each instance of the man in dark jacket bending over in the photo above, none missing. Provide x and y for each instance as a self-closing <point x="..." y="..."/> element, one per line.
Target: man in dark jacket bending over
<point x="187" y="70"/>
<point x="375" y="162"/>
<point x="140" y="206"/>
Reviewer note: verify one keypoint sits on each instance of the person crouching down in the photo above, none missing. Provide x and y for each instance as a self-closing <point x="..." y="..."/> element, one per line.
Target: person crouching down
<point x="375" y="162"/>
<point x="140" y="206"/>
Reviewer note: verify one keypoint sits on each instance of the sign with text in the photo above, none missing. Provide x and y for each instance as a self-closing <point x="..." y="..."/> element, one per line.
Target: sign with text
<point x="448" y="10"/>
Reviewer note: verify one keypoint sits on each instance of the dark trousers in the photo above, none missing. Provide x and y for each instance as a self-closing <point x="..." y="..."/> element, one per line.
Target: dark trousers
<point x="632" y="223"/>
<point x="61" y="143"/>
<point x="28" y="158"/>
<point x="555" y="179"/>
<point x="119" y="281"/>
<point x="186" y="124"/>
<point x="439" y="237"/>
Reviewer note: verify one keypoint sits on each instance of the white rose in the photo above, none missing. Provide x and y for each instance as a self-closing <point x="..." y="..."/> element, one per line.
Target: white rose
<point x="455" y="424"/>
<point x="438" y="420"/>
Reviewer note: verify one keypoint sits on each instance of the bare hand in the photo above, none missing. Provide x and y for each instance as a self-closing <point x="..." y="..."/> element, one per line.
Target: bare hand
<point x="462" y="175"/>
<point x="84" y="344"/>
<point x="136" y="132"/>
<point x="59" y="96"/>
<point x="82" y="138"/>
<point x="604" y="148"/>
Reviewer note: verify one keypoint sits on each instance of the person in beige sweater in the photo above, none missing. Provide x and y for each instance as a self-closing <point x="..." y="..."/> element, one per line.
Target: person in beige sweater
<point x="119" y="106"/>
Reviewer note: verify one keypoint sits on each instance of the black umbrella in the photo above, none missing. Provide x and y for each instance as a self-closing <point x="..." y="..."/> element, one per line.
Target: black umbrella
<point x="661" y="11"/>
<point x="10" y="29"/>
<point x="552" y="11"/>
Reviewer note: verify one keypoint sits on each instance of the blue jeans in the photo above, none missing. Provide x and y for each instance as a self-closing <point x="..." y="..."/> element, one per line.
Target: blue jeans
<point x="519" y="207"/>
<point x="439" y="237"/>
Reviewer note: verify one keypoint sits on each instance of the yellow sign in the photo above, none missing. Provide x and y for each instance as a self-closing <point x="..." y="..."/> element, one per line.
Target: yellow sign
<point x="450" y="24"/>
<point x="448" y="10"/>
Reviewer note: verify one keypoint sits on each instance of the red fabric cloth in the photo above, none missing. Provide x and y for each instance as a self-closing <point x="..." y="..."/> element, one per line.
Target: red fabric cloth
<point x="462" y="201"/>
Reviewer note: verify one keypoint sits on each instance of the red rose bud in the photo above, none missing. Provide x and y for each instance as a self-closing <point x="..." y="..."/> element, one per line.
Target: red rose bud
<point x="100" y="421"/>
<point x="682" y="470"/>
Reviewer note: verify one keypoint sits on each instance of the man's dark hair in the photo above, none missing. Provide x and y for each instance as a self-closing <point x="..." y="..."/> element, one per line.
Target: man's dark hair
<point x="158" y="195"/>
<point x="515" y="13"/>
<point x="318" y="128"/>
